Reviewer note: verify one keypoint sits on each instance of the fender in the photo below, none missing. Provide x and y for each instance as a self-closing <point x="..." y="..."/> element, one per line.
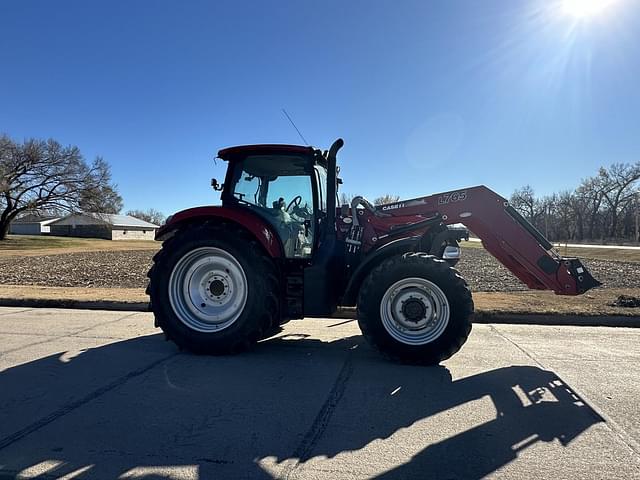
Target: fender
<point x="243" y="217"/>
<point x="396" y="247"/>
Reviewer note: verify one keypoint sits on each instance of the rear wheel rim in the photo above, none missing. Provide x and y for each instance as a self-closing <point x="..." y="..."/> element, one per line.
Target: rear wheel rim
<point x="208" y="289"/>
<point x="414" y="311"/>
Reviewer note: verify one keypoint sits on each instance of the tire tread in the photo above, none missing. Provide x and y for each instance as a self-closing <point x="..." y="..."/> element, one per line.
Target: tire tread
<point x="438" y="269"/>
<point x="266" y="273"/>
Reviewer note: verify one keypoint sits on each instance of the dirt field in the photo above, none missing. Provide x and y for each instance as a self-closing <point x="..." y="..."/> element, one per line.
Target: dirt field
<point x="101" y="270"/>
<point x="620" y="254"/>
<point x="30" y="245"/>
<point x="485" y="274"/>
<point x="126" y="268"/>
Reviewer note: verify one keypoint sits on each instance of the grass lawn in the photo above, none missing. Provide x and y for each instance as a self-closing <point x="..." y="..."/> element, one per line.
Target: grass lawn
<point x="620" y="254"/>
<point x="49" y="245"/>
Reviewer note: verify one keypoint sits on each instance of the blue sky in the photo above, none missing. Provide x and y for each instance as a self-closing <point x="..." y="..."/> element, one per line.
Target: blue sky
<point x="428" y="95"/>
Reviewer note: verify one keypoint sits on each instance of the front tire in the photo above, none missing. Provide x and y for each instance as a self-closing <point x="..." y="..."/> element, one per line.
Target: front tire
<point x="415" y="309"/>
<point x="213" y="290"/>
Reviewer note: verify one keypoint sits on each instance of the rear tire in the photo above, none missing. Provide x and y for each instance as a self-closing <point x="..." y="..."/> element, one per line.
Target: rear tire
<point x="415" y="309"/>
<point x="213" y="290"/>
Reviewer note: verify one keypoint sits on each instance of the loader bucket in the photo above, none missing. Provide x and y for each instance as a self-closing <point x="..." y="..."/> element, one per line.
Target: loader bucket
<point x="584" y="280"/>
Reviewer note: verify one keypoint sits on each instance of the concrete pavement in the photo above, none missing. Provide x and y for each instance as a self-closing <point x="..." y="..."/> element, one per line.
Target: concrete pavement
<point x="92" y="394"/>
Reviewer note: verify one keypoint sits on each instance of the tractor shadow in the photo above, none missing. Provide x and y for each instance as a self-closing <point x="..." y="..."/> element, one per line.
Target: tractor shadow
<point x="140" y="409"/>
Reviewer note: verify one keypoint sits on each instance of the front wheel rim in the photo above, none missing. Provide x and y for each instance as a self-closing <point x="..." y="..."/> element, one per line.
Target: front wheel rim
<point x="208" y="289"/>
<point x="414" y="311"/>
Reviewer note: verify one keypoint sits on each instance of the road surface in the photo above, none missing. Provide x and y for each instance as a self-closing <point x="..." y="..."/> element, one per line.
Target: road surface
<point x="89" y="394"/>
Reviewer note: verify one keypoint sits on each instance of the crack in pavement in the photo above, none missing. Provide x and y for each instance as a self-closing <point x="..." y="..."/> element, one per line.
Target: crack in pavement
<point x="13" y="313"/>
<point x="303" y="451"/>
<point x="23" y="334"/>
<point x="70" y="407"/>
<point x="51" y="338"/>
<point x="74" y="335"/>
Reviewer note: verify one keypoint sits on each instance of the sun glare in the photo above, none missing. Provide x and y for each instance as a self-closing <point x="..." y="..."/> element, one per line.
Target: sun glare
<point x="584" y="9"/>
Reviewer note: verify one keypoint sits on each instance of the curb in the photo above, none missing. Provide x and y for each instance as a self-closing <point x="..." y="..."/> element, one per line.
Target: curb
<point x="558" y="320"/>
<point x="479" y="317"/>
<point x="75" y="304"/>
<point x="348" y="313"/>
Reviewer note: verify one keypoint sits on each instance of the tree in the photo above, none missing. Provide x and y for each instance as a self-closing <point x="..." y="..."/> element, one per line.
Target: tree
<point x="603" y="206"/>
<point x="100" y="195"/>
<point x="524" y="200"/>
<point x="386" y="199"/>
<point x="151" y="215"/>
<point x="546" y="222"/>
<point x="345" y="198"/>
<point x="565" y="211"/>
<point x="590" y="195"/>
<point x="40" y="175"/>
<point x="621" y="179"/>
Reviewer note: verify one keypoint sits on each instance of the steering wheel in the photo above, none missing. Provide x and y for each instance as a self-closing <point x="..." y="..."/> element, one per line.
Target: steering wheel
<point x="297" y="200"/>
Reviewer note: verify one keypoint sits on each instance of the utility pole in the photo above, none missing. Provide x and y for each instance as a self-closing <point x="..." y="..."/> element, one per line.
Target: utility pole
<point x="637" y="215"/>
<point x="547" y="210"/>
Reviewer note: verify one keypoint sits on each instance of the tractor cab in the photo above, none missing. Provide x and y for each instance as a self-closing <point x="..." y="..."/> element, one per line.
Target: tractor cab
<point x="286" y="185"/>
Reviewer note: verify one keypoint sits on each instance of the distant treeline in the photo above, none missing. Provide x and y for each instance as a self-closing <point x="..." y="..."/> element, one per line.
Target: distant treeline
<point x="604" y="207"/>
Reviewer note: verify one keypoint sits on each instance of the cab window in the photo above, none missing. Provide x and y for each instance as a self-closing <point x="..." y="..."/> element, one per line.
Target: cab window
<point x="280" y="190"/>
<point x="321" y="179"/>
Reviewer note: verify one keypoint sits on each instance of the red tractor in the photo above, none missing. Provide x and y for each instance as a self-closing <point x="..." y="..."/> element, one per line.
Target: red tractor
<point x="280" y="248"/>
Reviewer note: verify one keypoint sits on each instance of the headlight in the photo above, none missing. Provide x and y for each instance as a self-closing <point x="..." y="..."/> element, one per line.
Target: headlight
<point x="451" y="253"/>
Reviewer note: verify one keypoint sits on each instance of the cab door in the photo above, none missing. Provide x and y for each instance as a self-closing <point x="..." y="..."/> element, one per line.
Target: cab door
<point x="279" y="188"/>
<point x="292" y="208"/>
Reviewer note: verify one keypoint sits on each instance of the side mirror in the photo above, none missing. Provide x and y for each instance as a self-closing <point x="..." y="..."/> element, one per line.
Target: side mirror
<point x="216" y="186"/>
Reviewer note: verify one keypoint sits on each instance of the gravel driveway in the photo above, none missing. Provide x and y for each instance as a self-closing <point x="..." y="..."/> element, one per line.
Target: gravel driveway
<point x="128" y="269"/>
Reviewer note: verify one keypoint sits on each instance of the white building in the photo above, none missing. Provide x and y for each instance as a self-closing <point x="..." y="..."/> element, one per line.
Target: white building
<point x="103" y="225"/>
<point x="32" y="225"/>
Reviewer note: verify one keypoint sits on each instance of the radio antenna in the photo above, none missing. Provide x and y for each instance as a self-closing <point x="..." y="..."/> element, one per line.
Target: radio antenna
<point x="294" y="126"/>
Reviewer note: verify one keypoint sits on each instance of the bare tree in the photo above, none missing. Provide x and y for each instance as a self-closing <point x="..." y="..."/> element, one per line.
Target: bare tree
<point x="621" y="179"/>
<point x="386" y="199"/>
<point x="524" y="200"/>
<point x="150" y="215"/>
<point x="565" y="211"/>
<point x="603" y="206"/>
<point x="591" y="192"/>
<point x="345" y="198"/>
<point x="547" y="220"/>
<point x="40" y="175"/>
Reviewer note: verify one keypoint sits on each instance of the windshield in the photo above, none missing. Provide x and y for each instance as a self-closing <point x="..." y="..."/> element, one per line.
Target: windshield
<point x="268" y="180"/>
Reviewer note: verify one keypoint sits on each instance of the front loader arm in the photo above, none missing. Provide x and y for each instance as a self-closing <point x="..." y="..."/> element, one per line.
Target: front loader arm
<point x="508" y="236"/>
